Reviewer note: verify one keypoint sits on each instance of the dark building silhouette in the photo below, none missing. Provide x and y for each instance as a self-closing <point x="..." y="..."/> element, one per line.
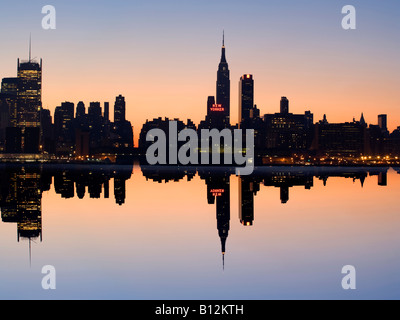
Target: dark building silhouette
<point x="286" y="133"/>
<point x="210" y="106"/>
<point x="9" y="95"/>
<point x="284" y="105"/>
<point x="376" y="143"/>
<point x="20" y="106"/>
<point x="64" y="129"/>
<point x="80" y="189"/>
<point x="246" y="97"/>
<point x="13" y="140"/>
<point x="347" y="139"/>
<point x="31" y="140"/>
<point x="164" y="125"/>
<point x="382" y="123"/>
<point x="106" y="112"/>
<point x="393" y="143"/>
<point x="95" y="113"/>
<point x="80" y="111"/>
<point x="47" y="139"/>
<point x="165" y="174"/>
<point x="218" y="192"/>
<point x="119" y="110"/>
<point x="120" y="179"/>
<point x="286" y="180"/>
<point x="64" y="184"/>
<point x="248" y="188"/>
<point x="95" y="118"/>
<point x="348" y="173"/>
<point x="122" y="129"/>
<point x="20" y="201"/>
<point x="29" y="93"/>
<point x="224" y="86"/>
<point x="107" y="189"/>
<point x="382" y="179"/>
<point x="4" y="121"/>
<point x="216" y="117"/>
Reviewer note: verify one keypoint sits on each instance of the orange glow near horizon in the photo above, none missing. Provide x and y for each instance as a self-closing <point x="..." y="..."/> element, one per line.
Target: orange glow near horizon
<point x="322" y="92"/>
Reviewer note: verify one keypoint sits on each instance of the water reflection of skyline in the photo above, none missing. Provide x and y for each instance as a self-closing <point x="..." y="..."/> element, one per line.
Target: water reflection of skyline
<point x="22" y="189"/>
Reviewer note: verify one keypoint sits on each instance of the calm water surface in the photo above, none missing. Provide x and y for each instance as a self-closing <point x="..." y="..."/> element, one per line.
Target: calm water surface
<point x="151" y="233"/>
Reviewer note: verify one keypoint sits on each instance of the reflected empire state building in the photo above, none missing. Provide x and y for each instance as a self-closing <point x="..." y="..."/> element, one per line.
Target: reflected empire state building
<point x="218" y="192"/>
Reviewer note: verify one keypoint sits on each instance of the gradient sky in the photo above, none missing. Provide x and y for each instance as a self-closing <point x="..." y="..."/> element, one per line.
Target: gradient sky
<point x="163" y="55"/>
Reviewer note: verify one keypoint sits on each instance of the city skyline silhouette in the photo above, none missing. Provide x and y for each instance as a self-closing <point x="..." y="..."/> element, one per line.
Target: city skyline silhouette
<point x="28" y="128"/>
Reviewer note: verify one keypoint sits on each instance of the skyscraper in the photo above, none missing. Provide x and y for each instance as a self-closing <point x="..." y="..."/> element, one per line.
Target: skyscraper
<point x="29" y="93"/>
<point x="284" y="105"/>
<point x="119" y="110"/>
<point x="63" y="117"/>
<point x="246" y="97"/>
<point x="94" y="113"/>
<point x="80" y="111"/>
<point x="106" y="112"/>
<point x="95" y="119"/>
<point x="224" y="85"/>
<point x="210" y="105"/>
<point x="63" y="128"/>
<point x="246" y="201"/>
<point x="382" y="123"/>
<point x="9" y="92"/>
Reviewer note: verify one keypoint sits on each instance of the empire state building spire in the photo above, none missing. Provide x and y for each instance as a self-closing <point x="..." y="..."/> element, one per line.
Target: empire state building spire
<point x="224" y="86"/>
<point x="223" y="56"/>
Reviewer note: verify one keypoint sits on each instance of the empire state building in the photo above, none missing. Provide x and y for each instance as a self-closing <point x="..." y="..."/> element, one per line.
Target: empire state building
<point x="224" y="86"/>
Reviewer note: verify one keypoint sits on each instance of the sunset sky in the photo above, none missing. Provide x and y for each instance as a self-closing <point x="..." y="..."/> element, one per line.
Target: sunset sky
<point x="163" y="55"/>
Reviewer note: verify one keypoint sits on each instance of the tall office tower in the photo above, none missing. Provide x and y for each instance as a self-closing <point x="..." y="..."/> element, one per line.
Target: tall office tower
<point x="94" y="110"/>
<point x="29" y="205"/>
<point x="63" y="121"/>
<point x="246" y="97"/>
<point x="9" y="93"/>
<point x="284" y="194"/>
<point x="119" y="110"/>
<point x="106" y="112"/>
<point x="382" y="179"/>
<point x="284" y="105"/>
<point x="246" y="201"/>
<point x="29" y="94"/>
<point x="95" y="120"/>
<point x="210" y="105"/>
<point x="382" y="123"/>
<point x="80" y="111"/>
<point x="224" y="85"/>
<point x="119" y="189"/>
<point x="47" y="131"/>
<point x="107" y="189"/>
